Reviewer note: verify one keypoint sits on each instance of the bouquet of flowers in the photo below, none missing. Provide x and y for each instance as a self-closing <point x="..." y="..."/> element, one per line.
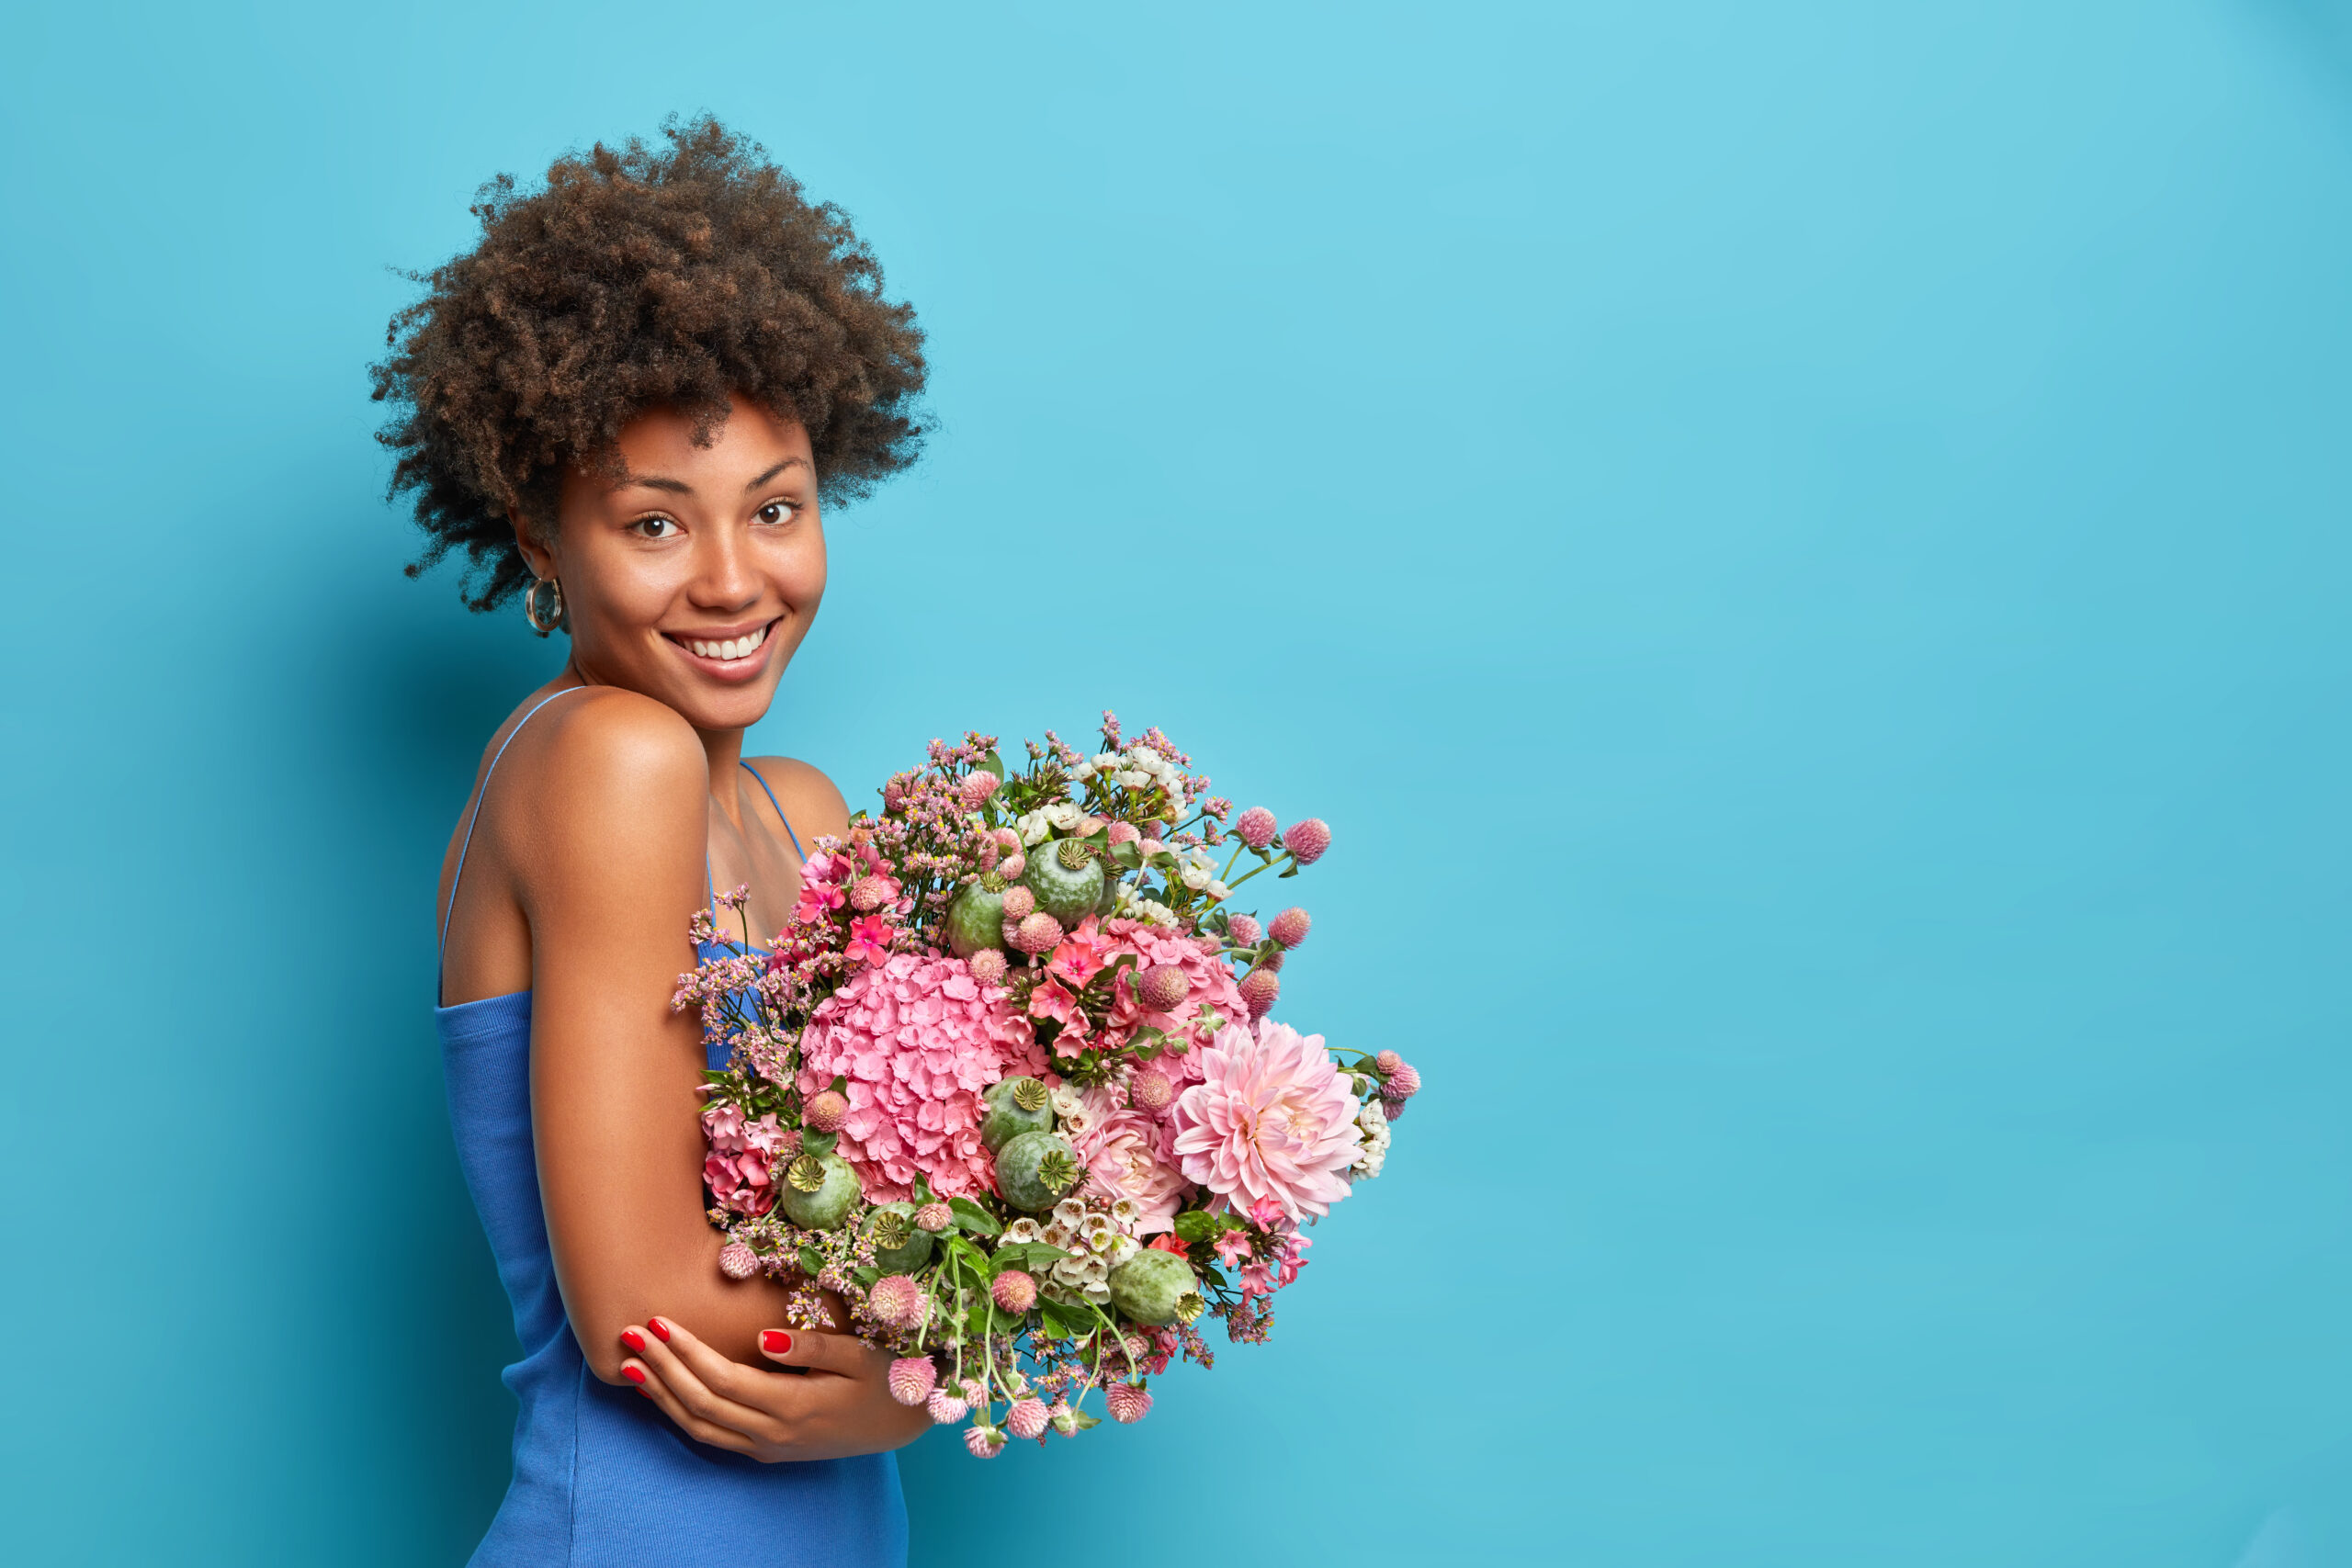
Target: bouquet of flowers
<point x="1009" y="1086"/>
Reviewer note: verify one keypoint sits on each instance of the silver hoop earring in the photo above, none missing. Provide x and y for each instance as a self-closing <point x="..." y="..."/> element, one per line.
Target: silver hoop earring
<point x="543" y="621"/>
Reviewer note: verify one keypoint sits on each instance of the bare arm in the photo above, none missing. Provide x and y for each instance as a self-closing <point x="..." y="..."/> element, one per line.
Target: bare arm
<point x="609" y="874"/>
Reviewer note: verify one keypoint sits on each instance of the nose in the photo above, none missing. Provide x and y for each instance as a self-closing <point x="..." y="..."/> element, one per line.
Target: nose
<point x="723" y="578"/>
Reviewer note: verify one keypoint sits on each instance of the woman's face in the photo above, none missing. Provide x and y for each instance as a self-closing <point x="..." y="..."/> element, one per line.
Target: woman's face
<point x="693" y="577"/>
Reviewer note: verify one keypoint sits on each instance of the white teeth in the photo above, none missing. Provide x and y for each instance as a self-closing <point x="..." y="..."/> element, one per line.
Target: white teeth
<point x="733" y="647"/>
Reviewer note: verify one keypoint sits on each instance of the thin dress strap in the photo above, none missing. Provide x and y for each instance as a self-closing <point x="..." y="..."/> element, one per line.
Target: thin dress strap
<point x="779" y="810"/>
<point x="473" y="816"/>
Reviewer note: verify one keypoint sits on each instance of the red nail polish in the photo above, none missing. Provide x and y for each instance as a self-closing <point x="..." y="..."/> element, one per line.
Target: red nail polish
<point x="661" y="1329"/>
<point x="776" y="1341"/>
<point x="634" y="1374"/>
<point x="632" y="1339"/>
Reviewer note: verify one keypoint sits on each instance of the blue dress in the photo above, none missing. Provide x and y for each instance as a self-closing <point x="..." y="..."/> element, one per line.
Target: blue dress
<point x="602" y="1478"/>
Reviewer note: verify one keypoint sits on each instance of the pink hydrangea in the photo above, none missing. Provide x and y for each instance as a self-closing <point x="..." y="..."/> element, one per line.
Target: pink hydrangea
<point x="918" y="1040"/>
<point x="1127" y="1155"/>
<point x="1270" y="1118"/>
<point x="1208" y="983"/>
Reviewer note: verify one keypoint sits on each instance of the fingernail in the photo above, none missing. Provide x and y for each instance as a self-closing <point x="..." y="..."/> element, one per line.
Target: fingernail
<point x="632" y="1339"/>
<point x="661" y="1329"/>
<point x="776" y="1341"/>
<point x="634" y="1374"/>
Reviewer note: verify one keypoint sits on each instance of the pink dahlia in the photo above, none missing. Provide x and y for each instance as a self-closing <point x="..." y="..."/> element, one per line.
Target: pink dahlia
<point x="1270" y="1118"/>
<point x="918" y="1039"/>
<point x="1255" y="826"/>
<point x="1126" y="1154"/>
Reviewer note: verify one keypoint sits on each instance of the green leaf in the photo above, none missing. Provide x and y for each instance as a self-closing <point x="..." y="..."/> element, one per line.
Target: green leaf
<point x="1084" y="1419"/>
<point x="1195" y="1225"/>
<point x="974" y="1218"/>
<point x="812" y="1263"/>
<point x="866" y="1276"/>
<point x="819" y="1143"/>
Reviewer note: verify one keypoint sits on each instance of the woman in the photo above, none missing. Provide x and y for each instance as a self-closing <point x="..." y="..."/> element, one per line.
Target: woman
<point x="626" y="404"/>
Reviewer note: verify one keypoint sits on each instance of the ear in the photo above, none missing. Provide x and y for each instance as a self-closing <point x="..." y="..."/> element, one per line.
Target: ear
<point x="537" y="556"/>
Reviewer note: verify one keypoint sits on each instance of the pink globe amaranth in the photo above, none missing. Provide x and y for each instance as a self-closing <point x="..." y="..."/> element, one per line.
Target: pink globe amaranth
<point x="1019" y="903"/>
<point x="1246" y="930"/>
<point x="1255" y="826"/>
<point x="870" y="893"/>
<point x="1290" y="927"/>
<point x="1271" y="1119"/>
<point x="1129" y="1403"/>
<point x="1015" y="1291"/>
<point x="945" y="1407"/>
<point x="1401" y="1082"/>
<point x="1273" y="963"/>
<point x="1027" y="1418"/>
<point x="1208" y="984"/>
<point x="1123" y="833"/>
<point x="983" y="1442"/>
<point x="827" y="1112"/>
<point x="1012" y="865"/>
<point x="987" y="966"/>
<point x="896" y="1301"/>
<point x="918" y="1041"/>
<point x="911" y="1379"/>
<point x="1162" y="987"/>
<point x="1260" y="989"/>
<point x="1039" y="932"/>
<point x="978" y="785"/>
<point x="738" y="1261"/>
<point x="1307" y="840"/>
<point x="1150" y="1091"/>
<point x="1393" y="1108"/>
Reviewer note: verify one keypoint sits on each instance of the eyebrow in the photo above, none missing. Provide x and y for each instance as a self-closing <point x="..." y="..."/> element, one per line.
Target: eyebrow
<point x="680" y="487"/>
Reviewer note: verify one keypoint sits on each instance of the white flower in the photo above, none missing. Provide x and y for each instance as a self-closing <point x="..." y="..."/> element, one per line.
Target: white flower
<point x="1071" y="1270"/>
<point x="1070" y="1213"/>
<point x="1063" y="815"/>
<point x="1124" y="1212"/>
<point x="1133" y="778"/>
<point x="1021" y="1231"/>
<point x="1107" y="761"/>
<point x="1077" y="1121"/>
<point x="1371" y="1152"/>
<point x="1101" y="1237"/>
<point x="1055" y="1236"/>
<point x="1096" y="1291"/>
<point x="1033" y="828"/>
<point x="1127" y="1247"/>
<point x="1144" y="756"/>
<point x="1196" y="877"/>
<point x="1219" y="890"/>
<point x="1066" y="1100"/>
<point x="1094" y="1269"/>
<point x="1083" y="772"/>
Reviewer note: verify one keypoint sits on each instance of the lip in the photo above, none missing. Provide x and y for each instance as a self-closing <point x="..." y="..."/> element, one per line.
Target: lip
<point x="730" y="670"/>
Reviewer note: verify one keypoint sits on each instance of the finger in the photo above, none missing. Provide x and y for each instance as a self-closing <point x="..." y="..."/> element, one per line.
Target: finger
<point x="649" y="1384"/>
<point x="765" y="1393"/>
<point x="688" y="1388"/>
<point x="843" y="1354"/>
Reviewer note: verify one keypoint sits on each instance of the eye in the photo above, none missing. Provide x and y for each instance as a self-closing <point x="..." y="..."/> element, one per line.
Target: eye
<point x="655" y="527"/>
<point x="776" y="512"/>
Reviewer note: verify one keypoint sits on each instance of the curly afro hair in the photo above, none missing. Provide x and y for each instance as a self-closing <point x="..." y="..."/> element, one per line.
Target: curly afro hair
<point x="637" y="277"/>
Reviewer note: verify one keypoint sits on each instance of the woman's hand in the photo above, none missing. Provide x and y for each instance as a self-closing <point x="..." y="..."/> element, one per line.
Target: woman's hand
<point x="838" y="1405"/>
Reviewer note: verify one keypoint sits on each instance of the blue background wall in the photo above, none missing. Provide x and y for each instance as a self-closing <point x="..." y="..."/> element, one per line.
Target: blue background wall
<point x="1800" y="547"/>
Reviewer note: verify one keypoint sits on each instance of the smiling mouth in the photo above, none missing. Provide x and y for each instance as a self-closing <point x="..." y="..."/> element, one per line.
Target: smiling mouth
<point x="725" y="650"/>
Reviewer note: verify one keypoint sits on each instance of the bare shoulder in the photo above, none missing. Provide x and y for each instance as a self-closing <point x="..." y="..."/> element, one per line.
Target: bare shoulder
<point x="610" y="748"/>
<point x="809" y="799"/>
